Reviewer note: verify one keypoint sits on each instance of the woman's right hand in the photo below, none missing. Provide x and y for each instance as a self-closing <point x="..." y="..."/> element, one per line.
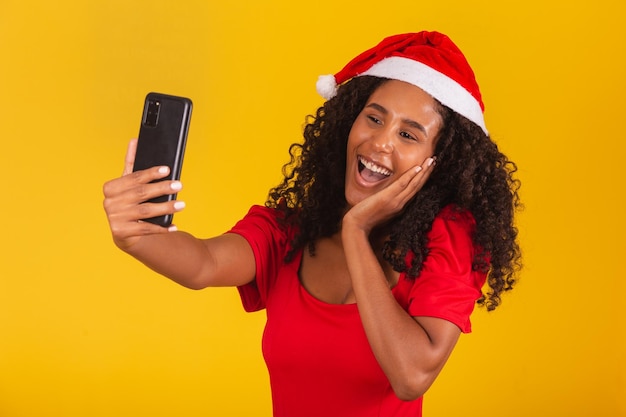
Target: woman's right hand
<point x="124" y="199"/>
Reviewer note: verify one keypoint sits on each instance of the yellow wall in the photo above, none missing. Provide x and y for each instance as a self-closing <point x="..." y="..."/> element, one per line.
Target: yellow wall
<point x="87" y="331"/>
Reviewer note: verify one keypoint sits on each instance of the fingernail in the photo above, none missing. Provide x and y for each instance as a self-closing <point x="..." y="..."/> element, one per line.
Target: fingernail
<point x="176" y="185"/>
<point x="418" y="169"/>
<point x="179" y="205"/>
<point x="430" y="161"/>
<point x="163" y="170"/>
<point x="172" y="228"/>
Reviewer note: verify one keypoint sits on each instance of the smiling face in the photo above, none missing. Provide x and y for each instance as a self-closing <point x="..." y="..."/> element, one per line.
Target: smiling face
<point x="395" y="131"/>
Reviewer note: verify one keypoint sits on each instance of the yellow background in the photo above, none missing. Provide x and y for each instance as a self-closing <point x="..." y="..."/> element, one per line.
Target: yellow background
<point x="87" y="331"/>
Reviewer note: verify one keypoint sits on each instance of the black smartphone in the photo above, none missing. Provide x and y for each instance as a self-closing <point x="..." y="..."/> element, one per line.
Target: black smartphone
<point x="162" y="140"/>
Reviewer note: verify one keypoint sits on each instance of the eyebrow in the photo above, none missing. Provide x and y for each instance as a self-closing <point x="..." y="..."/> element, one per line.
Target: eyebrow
<point x="409" y="122"/>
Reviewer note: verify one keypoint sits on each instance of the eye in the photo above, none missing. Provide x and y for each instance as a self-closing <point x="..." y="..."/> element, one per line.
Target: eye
<point x="374" y="119"/>
<point x="407" y="135"/>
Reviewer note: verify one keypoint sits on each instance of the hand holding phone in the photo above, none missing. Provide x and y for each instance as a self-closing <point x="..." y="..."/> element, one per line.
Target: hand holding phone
<point x="162" y="140"/>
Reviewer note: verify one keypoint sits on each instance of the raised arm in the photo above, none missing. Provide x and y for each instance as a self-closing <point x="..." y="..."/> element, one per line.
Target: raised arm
<point x="225" y="260"/>
<point x="410" y="350"/>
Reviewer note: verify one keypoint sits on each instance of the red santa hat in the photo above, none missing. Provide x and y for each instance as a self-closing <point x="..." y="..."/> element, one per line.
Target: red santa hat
<point x="428" y="60"/>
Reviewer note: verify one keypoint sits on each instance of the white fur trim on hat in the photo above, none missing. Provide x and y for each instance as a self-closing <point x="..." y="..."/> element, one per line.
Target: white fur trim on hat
<point x="435" y="83"/>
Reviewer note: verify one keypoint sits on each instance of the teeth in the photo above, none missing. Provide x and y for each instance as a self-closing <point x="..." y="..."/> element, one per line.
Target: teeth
<point x="375" y="168"/>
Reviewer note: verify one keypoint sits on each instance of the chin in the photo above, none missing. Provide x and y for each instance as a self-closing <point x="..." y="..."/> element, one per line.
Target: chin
<point x="354" y="198"/>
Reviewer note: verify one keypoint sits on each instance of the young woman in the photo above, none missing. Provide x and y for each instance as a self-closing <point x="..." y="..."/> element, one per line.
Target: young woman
<point x="372" y="252"/>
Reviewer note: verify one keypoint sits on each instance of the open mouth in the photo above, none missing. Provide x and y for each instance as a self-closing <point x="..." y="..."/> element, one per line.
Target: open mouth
<point x="371" y="172"/>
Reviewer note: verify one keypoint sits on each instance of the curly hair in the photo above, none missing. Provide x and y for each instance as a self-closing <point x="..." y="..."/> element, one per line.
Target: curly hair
<point x="471" y="174"/>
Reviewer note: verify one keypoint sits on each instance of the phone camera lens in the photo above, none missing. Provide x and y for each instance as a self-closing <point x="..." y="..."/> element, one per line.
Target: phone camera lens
<point x="152" y="113"/>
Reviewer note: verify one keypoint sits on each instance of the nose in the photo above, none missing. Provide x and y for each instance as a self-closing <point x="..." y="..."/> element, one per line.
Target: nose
<point x="383" y="140"/>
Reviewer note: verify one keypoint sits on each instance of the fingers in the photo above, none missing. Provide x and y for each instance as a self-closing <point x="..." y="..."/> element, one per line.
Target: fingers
<point x="413" y="180"/>
<point x="126" y="224"/>
<point x="126" y="233"/>
<point x="126" y="210"/>
<point x="423" y="173"/>
<point x="139" y="182"/>
<point x="129" y="192"/>
<point x="125" y="201"/>
<point x="130" y="157"/>
<point x="147" y="210"/>
<point x="398" y="194"/>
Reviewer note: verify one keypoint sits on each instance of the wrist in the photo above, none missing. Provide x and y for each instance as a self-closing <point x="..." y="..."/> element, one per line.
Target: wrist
<point x="352" y="229"/>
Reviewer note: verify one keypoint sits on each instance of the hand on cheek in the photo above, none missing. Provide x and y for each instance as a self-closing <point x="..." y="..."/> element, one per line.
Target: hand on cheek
<point x="385" y="204"/>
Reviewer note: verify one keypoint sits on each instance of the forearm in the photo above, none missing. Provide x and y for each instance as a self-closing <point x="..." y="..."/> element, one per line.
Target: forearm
<point x="224" y="260"/>
<point x="410" y="356"/>
<point x="178" y="256"/>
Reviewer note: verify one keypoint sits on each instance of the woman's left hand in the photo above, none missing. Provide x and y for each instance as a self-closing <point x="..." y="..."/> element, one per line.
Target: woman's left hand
<point x="385" y="204"/>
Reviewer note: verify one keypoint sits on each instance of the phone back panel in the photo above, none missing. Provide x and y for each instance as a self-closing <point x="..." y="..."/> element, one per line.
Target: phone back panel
<point x="162" y="139"/>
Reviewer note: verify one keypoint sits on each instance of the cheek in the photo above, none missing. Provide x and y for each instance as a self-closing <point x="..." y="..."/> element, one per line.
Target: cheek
<point x="358" y="131"/>
<point x="354" y="141"/>
<point x="413" y="156"/>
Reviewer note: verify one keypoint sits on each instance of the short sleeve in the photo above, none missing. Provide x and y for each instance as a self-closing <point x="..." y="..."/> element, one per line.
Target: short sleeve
<point x="447" y="286"/>
<point x="268" y="241"/>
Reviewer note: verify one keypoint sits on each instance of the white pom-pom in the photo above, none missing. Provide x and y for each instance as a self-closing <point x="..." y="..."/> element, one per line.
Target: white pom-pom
<point x="326" y="86"/>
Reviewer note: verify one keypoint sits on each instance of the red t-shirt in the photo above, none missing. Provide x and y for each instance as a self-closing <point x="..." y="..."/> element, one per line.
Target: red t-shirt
<point x="319" y="360"/>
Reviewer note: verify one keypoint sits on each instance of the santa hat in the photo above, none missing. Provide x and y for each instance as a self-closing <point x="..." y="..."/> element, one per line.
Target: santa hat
<point x="428" y="60"/>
